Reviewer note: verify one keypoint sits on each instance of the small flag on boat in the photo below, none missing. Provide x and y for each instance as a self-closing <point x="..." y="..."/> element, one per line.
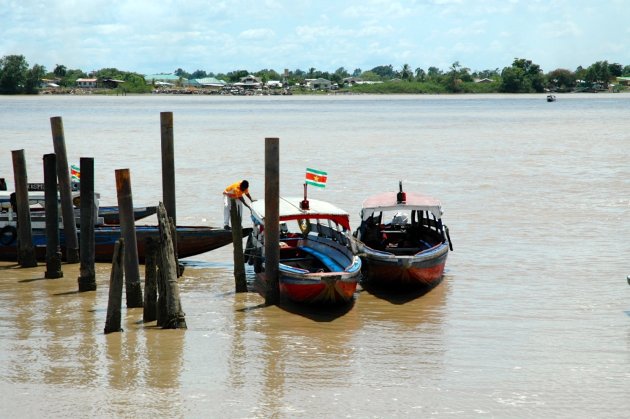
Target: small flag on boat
<point x="316" y="178"/>
<point x="75" y="173"/>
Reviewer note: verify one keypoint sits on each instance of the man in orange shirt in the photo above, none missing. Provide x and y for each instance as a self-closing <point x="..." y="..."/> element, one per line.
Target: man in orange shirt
<point x="235" y="191"/>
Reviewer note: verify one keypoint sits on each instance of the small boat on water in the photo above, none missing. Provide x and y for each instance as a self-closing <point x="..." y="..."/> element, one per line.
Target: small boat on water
<point x="109" y="214"/>
<point x="551" y="98"/>
<point x="316" y="263"/>
<point x="402" y="241"/>
<point x="191" y="240"/>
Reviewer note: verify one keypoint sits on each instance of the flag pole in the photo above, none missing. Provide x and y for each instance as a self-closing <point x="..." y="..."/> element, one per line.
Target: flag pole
<point x="304" y="203"/>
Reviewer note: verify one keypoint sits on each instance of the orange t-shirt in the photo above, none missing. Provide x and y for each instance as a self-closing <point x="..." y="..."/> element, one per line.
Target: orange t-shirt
<point x="234" y="190"/>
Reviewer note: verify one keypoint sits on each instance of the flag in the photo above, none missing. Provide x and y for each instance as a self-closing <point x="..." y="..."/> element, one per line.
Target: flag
<point x="316" y="178"/>
<point x="75" y="173"/>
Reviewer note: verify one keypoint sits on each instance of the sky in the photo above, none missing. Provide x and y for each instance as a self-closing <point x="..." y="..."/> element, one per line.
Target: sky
<point x="161" y="36"/>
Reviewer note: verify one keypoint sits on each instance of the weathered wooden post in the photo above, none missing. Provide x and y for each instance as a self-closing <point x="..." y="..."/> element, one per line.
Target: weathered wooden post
<point x="272" y="219"/>
<point x="150" y="280"/>
<point x="87" y="278"/>
<point x="175" y="317"/>
<point x="168" y="164"/>
<point x="67" y="210"/>
<point x="128" y="232"/>
<point x="51" y="202"/>
<point x="168" y="171"/>
<point x="237" y="240"/>
<point x="25" y="247"/>
<point x="112" y="323"/>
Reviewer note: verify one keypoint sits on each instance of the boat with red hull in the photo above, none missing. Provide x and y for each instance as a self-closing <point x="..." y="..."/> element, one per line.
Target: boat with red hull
<point x="402" y="241"/>
<point x="316" y="264"/>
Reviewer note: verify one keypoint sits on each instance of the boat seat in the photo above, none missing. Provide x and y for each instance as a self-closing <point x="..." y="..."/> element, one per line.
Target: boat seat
<point x="329" y="262"/>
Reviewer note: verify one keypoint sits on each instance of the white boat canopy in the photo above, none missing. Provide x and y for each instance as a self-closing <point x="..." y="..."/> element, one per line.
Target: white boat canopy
<point x="290" y="210"/>
<point x="387" y="201"/>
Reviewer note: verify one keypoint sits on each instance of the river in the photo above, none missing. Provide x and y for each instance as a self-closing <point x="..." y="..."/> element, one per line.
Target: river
<point x="532" y="318"/>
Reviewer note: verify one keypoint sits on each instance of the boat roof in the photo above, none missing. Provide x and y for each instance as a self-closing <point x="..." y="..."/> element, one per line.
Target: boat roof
<point x="387" y="201"/>
<point x="290" y="210"/>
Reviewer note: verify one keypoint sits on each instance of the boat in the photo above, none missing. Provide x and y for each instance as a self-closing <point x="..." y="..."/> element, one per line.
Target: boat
<point x="402" y="241"/>
<point x="316" y="264"/>
<point x="109" y="214"/>
<point x="191" y="240"/>
<point x="551" y="98"/>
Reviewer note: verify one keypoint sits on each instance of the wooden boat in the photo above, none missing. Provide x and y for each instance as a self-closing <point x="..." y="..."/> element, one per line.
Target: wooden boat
<point x="110" y="214"/>
<point x="402" y="241"/>
<point x="316" y="263"/>
<point x="191" y="241"/>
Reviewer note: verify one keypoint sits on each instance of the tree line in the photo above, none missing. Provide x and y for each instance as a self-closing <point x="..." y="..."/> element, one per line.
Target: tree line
<point x="522" y="76"/>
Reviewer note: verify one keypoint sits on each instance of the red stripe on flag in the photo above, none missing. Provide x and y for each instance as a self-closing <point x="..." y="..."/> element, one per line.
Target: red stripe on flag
<point x="316" y="178"/>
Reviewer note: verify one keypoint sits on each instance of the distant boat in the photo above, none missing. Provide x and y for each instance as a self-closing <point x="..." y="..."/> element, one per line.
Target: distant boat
<point x="551" y="98"/>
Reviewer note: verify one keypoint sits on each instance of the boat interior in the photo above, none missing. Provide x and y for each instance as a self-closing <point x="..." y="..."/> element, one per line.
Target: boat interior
<point x="402" y="236"/>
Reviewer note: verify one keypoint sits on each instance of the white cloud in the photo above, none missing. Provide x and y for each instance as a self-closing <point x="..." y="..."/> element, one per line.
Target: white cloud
<point x="257" y="34"/>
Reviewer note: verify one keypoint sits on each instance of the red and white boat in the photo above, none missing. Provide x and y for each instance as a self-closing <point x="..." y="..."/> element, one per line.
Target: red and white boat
<point x="317" y="265"/>
<point x="402" y="241"/>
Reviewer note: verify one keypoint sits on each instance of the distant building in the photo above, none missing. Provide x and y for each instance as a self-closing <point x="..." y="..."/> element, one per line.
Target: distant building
<point x="318" y="84"/>
<point x="250" y="82"/>
<point x="163" y="79"/>
<point x="86" y="83"/>
<point x="625" y="81"/>
<point x="484" y="80"/>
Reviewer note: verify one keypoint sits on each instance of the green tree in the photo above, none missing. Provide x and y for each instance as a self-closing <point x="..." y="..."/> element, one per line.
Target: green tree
<point x="33" y="79"/>
<point x="13" y="70"/>
<point x="421" y="75"/>
<point x="60" y="71"/>
<point x="356" y="72"/>
<point x="434" y="74"/>
<point x="385" y="72"/>
<point x="406" y="73"/>
<point x="522" y="77"/>
<point x="561" y="79"/>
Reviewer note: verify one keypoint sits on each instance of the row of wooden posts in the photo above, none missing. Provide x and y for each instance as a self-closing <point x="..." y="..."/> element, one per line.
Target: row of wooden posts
<point x="161" y="257"/>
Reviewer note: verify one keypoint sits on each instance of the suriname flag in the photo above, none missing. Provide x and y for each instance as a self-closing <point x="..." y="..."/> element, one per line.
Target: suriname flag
<point x="316" y="178"/>
<point x="75" y="173"/>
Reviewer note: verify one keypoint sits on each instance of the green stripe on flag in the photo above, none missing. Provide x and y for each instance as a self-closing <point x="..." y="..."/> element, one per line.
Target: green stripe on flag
<point x="317" y="172"/>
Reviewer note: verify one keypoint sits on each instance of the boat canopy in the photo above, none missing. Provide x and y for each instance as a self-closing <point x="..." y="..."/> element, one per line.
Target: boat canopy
<point x="387" y="201"/>
<point x="290" y="210"/>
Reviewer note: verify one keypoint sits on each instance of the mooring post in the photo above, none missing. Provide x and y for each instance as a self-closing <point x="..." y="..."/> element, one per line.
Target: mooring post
<point x="237" y="240"/>
<point x="87" y="278"/>
<point x="150" y="280"/>
<point x="51" y="205"/>
<point x="272" y="219"/>
<point x="113" y="321"/>
<point x="133" y="288"/>
<point x="63" y="176"/>
<point x="175" y="317"/>
<point x="25" y="247"/>
<point x="168" y="171"/>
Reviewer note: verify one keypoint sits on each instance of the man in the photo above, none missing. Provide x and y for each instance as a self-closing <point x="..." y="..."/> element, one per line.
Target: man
<point x="235" y="191"/>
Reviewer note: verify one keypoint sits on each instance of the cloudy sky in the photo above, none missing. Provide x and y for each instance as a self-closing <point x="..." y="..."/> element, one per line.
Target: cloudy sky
<point x="148" y="36"/>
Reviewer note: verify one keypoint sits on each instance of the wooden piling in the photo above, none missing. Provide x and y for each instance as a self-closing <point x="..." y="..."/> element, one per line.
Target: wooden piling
<point x="51" y="198"/>
<point x="168" y="172"/>
<point x="87" y="248"/>
<point x="272" y="219"/>
<point x="240" y="281"/>
<point x="63" y="176"/>
<point x="25" y="247"/>
<point x="113" y="321"/>
<point x="133" y="288"/>
<point x="150" y="280"/>
<point x="175" y="317"/>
